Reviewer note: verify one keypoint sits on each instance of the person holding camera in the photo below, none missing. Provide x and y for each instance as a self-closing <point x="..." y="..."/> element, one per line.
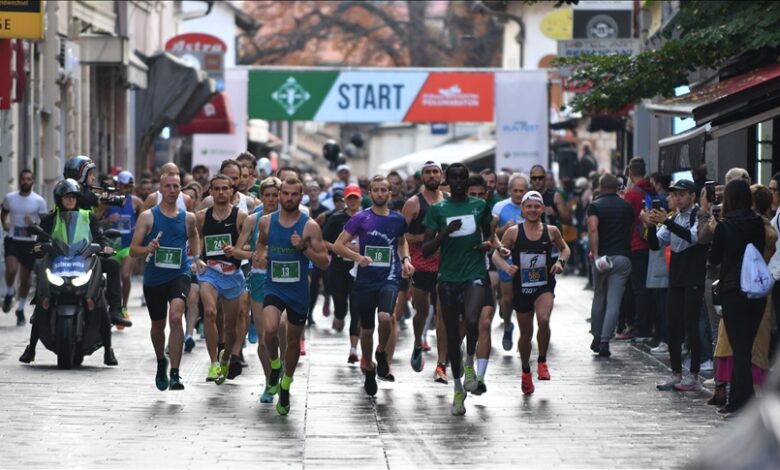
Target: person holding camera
<point x="82" y="170"/>
<point x="686" y="280"/>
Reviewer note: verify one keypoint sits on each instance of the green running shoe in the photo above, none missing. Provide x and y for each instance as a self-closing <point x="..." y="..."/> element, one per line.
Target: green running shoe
<point x="283" y="405"/>
<point x="458" y="406"/>
<point x="223" y="369"/>
<point x="214" y="370"/>
<point x="470" y="384"/>
<point x="161" y="379"/>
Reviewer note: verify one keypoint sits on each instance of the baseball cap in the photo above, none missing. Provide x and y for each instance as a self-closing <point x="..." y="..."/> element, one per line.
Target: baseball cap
<point x="125" y="177"/>
<point x="352" y="190"/>
<point x="430" y="164"/>
<point x="343" y="167"/>
<point x="683" y="185"/>
<point x="533" y="196"/>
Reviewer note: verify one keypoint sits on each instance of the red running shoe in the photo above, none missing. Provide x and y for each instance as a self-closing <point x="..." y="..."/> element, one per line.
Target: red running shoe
<point x="426" y="346"/>
<point x="527" y="383"/>
<point x="542" y="372"/>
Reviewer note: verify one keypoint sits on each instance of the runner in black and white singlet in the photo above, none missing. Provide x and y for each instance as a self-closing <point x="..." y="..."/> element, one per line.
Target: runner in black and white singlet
<point x="533" y="271"/>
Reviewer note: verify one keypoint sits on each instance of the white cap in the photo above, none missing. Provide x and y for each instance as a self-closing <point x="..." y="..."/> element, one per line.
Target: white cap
<point x="533" y="196"/>
<point x="125" y="177"/>
<point x="343" y="167"/>
<point x="430" y="164"/>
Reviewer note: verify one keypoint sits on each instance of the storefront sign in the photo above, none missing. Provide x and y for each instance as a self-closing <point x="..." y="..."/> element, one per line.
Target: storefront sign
<point x="201" y="51"/>
<point x="371" y="96"/>
<point x="21" y="19"/>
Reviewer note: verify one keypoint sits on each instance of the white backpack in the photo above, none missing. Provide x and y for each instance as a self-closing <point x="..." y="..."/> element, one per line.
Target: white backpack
<point x="755" y="280"/>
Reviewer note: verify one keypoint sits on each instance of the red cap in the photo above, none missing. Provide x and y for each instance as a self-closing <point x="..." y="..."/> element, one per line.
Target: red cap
<point x="352" y="190"/>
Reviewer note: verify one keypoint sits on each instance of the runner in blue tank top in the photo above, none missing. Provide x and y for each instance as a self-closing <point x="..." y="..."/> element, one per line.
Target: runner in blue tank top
<point x="287" y="240"/>
<point x="161" y="237"/>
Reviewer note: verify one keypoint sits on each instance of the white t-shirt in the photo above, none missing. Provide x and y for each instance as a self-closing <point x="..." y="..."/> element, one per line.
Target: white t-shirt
<point x="20" y="207"/>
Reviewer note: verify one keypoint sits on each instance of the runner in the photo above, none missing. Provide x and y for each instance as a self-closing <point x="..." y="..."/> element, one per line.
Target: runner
<point x="457" y="227"/>
<point x="533" y="241"/>
<point x="222" y="280"/>
<point x="382" y="260"/>
<point x="155" y="198"/>
<point x="338" y="274"/>
<point x="25" y="208"/>
<point x="425" y="269"/>
<point x="287" y="240"/>
<point x="124" y="219"/>
<point x="248" y="161"/>
<point x="161" y="235"/>
<point x="509" y="213"/>
<point x="269" y="193"/>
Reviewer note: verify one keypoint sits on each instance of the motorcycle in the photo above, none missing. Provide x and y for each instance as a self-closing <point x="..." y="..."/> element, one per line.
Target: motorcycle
<point x="71" y="293"/>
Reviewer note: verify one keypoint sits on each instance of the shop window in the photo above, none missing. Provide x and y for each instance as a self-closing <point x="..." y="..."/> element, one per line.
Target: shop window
<point x="764" y="151"/>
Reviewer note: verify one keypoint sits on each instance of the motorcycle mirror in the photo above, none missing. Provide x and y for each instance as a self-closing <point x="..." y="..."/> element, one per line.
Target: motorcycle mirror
<point x="112" y="233"/>
<point x="35" y="229"/>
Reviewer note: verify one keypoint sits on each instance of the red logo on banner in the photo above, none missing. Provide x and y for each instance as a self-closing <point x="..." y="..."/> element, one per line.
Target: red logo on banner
<point x="454" y="97"/>
<point x="195" y="42"/>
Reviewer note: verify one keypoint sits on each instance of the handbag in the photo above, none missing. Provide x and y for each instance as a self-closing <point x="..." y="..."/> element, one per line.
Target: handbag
<point x="716" y="292"/>
<point x="755" y="279"/>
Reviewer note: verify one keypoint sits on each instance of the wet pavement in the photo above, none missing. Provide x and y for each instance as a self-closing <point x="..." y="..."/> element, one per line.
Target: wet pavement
<point x="594" y="413"/>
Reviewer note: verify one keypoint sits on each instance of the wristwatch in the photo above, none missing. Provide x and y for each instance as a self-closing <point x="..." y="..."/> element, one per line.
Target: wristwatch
<point x="406" y="258"/>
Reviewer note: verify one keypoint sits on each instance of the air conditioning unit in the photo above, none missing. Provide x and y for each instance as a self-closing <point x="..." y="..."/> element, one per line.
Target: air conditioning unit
<point x="68" y="59"/>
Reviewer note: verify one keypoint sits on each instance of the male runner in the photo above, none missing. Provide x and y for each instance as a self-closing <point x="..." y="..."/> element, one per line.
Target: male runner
<point x="25" y="208"/>
<point x="425" y="269"/>
<point x="457" y="227"/>
<point x="155" y="198"/>
<point x="161" y="235"/>
<point x="531" y="244"/>
<point x="222" y="280"/>
<point x="380" y="234"/>
<point x="287" y="240"/>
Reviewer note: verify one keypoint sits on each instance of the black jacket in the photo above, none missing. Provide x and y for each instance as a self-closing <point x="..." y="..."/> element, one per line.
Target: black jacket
<point x="733" y="233"/>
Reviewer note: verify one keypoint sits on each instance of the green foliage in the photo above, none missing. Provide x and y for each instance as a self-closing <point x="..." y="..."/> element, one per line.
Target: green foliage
<point x="703" y="34"/>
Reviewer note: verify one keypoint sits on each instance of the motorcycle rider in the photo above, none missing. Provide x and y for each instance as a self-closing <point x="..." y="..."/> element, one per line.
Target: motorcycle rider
<point x="82" y="169"/>
<point x="66" y="196"/>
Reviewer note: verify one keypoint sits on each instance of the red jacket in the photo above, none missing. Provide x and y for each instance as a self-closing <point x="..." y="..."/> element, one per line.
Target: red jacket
<point x="636" y="197"/>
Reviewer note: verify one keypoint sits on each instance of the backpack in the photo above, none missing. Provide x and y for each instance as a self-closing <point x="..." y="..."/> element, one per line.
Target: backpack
<point x="756" y="281"/>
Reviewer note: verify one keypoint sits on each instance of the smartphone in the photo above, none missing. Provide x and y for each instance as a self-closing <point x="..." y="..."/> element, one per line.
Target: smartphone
<point x="709" y="188"/>
<point x="716" y="211"/>
<point x="656" y="204"/>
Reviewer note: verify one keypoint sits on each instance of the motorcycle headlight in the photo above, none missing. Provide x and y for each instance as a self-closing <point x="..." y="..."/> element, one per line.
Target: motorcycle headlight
<point x="54" y="279"/>
<point x="81" y="280"/>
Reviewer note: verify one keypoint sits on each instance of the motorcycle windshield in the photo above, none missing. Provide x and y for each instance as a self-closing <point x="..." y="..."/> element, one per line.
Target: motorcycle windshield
<point x="77" y="234"/>
<point x="69" y="266"/>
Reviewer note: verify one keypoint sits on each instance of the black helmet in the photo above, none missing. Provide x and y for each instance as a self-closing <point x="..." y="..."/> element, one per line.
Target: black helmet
<point x="65" y="187"/>
<point x="78" y="167"/>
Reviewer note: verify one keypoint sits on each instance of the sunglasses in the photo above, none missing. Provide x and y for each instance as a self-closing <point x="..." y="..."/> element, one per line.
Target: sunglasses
<point x="538" y="178"/>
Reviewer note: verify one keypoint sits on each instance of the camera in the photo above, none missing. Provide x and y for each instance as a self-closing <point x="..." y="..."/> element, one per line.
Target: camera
<point x="108" y="196"/>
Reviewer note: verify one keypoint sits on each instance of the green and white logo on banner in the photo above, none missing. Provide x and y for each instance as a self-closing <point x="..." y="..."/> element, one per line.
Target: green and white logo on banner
<point x="288" y="95"/>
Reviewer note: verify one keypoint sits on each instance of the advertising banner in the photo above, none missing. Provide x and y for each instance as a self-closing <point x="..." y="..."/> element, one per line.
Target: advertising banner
<point x="369" y="96"/>
<point x="522" y="114"/>
<point x="21" y="19"/>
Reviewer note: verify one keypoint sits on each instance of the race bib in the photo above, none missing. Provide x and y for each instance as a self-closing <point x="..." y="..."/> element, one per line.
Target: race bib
<point x="468" y="225"/>
<point x="168" y="258"/>
<point x="214" y="243"/>
<point x="533" y="269"/>
<point x="285" y="271"/>
<point x="380" y="256"/>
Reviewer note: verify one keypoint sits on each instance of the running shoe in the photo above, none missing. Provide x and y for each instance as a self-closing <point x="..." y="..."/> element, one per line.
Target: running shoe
<point x="458" y="404"/>
<point x="19" y="317"/>
<point x="7" y="303"/>
<point x="213" y="374"/>
<point x="273" y="381"/>
<point x="234" y="369"/>
<point x="161" y="379"/>
<point x="527" y="383"/>
<point x="481" y="388"/>
<point x="625" y="335"/>
<point x="252" y="333"/>
<point x="267" y="396"/>
<point x="303" y="347"/>
<point x="176" y="382"/>
<point x="370" y="384"/>
<point x="353" y="358"/>
<point x="604" y="349"/>
<point x="470" y="384"/>
<point x="125" y="316"/>
<point x="223" y="369"/>
<point x="440" y="374"/>
<point x="189" y="343"/>
<point x="426" y="347"/>
<point x="326" y="309"/>
<point x="417" y="359"/>
<point x="661" y="350"/>
<point x="382" y="367"/>
<point x="669" y="384"/>
<point x="283" y="405"/>
<point x="28" y="355"/>
<point x="506" y="342"/>
<point x="690" y="383"/>
<point x="542" y="372"/>
<point x="109" y="358"/>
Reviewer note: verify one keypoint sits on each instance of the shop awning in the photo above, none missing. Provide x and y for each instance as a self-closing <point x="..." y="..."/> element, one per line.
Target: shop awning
<point x="682" y="151"/>
<point x="213" y="118"/>
<point x="461" y="152"/>
<point x="728" y="96"/>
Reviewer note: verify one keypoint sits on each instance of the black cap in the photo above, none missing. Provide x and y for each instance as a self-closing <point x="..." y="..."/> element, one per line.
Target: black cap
<point x="683" y="185"/>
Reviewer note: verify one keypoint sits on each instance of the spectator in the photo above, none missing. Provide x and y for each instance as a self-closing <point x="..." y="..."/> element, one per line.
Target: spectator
<point x="587" y="163"/>
<point x="610" y="221"/>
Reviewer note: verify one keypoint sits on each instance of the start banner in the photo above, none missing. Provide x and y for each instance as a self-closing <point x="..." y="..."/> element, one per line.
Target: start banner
<point x="368" y="96"/>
